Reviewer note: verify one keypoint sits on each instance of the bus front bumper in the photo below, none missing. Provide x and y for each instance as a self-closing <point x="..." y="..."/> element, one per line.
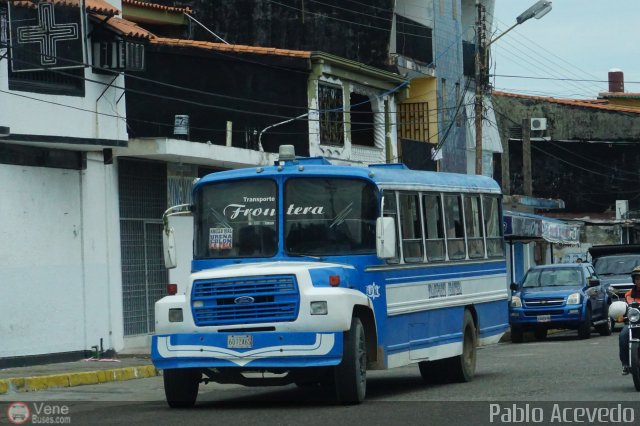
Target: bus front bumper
<point x="248" y="350"/>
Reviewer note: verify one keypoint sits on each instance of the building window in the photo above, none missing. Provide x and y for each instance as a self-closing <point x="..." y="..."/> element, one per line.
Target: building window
<point x="331" y="115"/>
<point x="362" y="122"/>
<point x="4" y="27"/>
<point x="414" y="40"/>
<point x="444" y="106"/>
<point x="458" y="116"/>
<point x="413" y="122"/>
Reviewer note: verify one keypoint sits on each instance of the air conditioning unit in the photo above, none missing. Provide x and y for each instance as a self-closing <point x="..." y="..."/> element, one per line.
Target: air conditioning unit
<point x="538" y="124"/>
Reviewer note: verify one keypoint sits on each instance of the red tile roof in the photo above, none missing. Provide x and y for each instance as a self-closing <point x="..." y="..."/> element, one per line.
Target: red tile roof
<point x="124" y="28"/>
<point x="156" y="6"/>
<point x="236" y="48"/>
<point x="94" y="6"/>
<point x="584" y="103"/>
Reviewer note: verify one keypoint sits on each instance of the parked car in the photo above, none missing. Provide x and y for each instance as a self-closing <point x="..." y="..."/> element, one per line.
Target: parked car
<point x="567" y="295"/>
<point x="614" y="263"/>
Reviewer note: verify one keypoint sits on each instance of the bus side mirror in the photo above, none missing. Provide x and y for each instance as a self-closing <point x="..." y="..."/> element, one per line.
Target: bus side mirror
<point x="169" y="248"/>
<point x="513" y="286"/>
<point x="386" y="237"/>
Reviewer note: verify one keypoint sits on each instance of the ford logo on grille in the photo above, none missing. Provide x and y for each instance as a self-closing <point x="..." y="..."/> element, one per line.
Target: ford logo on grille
<point x="244" y="300"/>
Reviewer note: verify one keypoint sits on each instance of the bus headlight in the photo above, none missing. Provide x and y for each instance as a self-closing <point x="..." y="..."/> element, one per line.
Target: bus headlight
<point x="516" y="302"/>
<point x="319" y="308"/>
<point x="633" y="315"/>
<point x="175" y="315"/>
<point x="573" y="299"/>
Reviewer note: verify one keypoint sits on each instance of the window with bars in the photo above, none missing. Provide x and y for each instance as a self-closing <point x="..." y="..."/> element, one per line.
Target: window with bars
<point x="4" y="27"/>
<point x="413" y="123"/>
<point x="331" y="105"/>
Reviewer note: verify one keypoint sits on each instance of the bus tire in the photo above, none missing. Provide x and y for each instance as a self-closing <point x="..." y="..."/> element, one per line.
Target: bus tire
<point x="464" y="365"/>
<point x="351" y="373"/>
<point x="181" y="386"/>
<point x="434" y="372"/>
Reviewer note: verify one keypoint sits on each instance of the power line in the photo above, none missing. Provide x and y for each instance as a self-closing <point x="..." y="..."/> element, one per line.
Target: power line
<point x="559" y="79"/>
<point x="546" y="58"/>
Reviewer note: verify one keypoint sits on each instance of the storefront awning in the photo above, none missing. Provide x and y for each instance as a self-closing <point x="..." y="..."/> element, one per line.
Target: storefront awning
<point x="520" y="226"/>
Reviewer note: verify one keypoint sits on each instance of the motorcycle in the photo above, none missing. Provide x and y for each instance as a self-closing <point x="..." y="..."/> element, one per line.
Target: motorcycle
<point x="631" y="311"/>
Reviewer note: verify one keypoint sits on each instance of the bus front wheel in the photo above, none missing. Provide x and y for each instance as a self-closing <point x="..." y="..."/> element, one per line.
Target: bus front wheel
<point x="464" y="365"/>
<point x="351" y="373"/>
<point x="181" y="386"/>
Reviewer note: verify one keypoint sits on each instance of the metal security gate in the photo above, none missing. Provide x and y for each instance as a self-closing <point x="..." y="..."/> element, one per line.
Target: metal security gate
<point x="143" y="199"/>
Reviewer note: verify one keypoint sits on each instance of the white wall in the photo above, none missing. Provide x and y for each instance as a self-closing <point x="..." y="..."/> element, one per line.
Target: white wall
<point x="60" y="242"/>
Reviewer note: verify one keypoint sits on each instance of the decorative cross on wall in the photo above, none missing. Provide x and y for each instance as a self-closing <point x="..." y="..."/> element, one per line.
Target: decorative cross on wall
<point x="47" y="34"/>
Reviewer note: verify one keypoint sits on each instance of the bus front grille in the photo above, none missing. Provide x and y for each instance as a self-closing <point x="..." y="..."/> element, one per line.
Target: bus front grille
<point x="245" y="300"/>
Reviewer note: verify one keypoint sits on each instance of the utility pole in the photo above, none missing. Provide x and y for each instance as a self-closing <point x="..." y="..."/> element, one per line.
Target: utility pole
<point x="526" y="156"/>
<point x="480" y="78"/>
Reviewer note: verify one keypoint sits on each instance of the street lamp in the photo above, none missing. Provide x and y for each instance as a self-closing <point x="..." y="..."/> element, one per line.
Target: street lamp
<point x="538" y="10"/>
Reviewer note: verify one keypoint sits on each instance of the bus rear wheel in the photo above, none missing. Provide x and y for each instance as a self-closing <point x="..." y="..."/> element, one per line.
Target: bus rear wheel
<point x="434" y="372"/>
<point x="351" y="373"/>
<point x="464" y="365"/>
<point x="181" y="386"/>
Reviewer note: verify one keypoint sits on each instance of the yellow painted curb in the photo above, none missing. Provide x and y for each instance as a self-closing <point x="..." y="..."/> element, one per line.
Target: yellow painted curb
<point x="86" y="378"/>
<point x="30" y="384"/>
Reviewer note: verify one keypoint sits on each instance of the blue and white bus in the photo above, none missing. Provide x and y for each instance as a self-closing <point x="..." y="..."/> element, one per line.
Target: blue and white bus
<point x="311" y="273"/>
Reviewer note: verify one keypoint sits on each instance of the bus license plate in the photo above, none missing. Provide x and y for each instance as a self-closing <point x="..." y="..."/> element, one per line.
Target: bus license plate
<point x="544" y="318"/>
<point x="242" y="341"/>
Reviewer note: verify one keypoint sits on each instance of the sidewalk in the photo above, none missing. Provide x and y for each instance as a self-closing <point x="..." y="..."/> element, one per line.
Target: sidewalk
<point x="67" y="374"/>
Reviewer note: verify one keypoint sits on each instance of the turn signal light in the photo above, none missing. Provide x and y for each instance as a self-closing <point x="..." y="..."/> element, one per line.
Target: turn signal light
<point x="334" y="280"/>
<point x="172" y="289"/>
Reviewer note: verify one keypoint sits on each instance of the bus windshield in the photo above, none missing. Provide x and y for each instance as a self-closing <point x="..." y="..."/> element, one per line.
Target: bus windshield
<point x="323" y="216"/>
<point x="330" y="216"/>
<point x="236" y="219"/>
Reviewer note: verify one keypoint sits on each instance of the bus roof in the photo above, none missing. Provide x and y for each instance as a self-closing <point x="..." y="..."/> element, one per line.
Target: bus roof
<point x="385" y="176"/>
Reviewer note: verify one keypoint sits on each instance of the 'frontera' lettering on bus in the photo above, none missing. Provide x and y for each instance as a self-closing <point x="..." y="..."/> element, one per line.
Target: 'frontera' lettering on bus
<point x="293" y="210"/>
<point x="241" y="209"/>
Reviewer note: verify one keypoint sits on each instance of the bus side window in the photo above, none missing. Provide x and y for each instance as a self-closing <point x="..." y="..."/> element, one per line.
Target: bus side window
<point x="433" y="227"/>
<point x="391" y="210"/>
<point x="454" y="226"/>
<point x="495" y="244"/>
<point x="473" y="219"/>
<point x="412" y="248"/>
